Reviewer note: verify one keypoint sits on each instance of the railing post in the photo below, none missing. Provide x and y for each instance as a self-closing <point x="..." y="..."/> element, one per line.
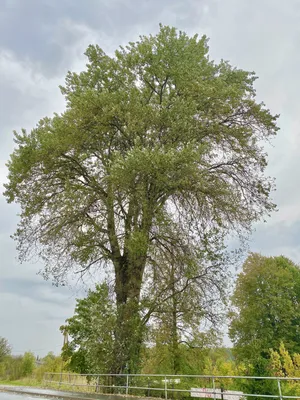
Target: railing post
<point x="166" y="388"/>
<point x="222" y="391"/>
<point x="214" y="387"/>
<point x="97" y="384"/>
<point x="279" y="389"/>
<point x="127" y="384"/>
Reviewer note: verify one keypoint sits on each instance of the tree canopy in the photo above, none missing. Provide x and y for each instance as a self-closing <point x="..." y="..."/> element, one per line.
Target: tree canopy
<point x="159" y="151"/>
<point x="267" y="308"/>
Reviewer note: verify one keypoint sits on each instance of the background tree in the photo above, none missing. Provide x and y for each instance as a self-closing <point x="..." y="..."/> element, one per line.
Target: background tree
<point x="186" y="304"/>
<point x="92" y="330"/>
<point x="28" y="363"/>
<point x="12" y="367"/>
<point x="284" y="364"/>
<point x="158" y="145"/>
<point x="159" y="357"/>
<point x="5" y="348"/>
<point x="50" y="363"/>
<point x="267" y="309"/>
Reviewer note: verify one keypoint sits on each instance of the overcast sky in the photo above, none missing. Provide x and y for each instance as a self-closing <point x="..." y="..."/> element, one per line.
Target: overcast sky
<point x="40" y="40"/>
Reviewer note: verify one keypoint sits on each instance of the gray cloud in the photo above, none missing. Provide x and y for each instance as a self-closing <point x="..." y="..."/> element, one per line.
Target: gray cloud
<point x="43" y="27"/>
<point x="38" y="291"/>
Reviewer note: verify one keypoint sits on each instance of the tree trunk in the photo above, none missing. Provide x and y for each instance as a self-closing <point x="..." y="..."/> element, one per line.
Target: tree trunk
<point x="129" y="269"/>
<point x="129" y="328"/>
<point x="128" y="339"/>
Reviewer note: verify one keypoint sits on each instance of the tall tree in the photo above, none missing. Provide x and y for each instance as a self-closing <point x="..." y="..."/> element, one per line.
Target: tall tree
<point x="158" y="145"/>
<point x="267" y="309"/>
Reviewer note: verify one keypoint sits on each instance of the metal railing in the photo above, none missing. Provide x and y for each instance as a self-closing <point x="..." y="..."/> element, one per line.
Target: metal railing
<point x="178" y="386"/>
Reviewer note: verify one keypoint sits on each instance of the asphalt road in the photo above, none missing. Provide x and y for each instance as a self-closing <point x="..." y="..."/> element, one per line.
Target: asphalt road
<point x="29" y="393"/>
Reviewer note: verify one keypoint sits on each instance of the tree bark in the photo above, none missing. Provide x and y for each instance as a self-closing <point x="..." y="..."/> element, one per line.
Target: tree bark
<point x="129" y="328"/>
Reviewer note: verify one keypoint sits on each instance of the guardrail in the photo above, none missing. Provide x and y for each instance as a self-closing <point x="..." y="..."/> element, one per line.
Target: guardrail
<point x="177" y="386"/>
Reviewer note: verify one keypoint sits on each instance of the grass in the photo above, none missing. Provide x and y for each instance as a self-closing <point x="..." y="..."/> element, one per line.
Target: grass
<point x="22" y="382"/>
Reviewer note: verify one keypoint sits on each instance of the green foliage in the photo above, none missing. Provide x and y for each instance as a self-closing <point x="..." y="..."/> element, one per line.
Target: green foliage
<point x="285" y="365"/>
<point x="186" y="297"/>
<point x="92" y="331"/>
<point x="23" y="368"/>
<point x="50" y="363"/>
<point x="207" y="360"/>
<point x="12" y="368"/>
<point x="159" y="147"/>
<point x="28" y="364"/>
<point x="5" y="349"/>
<point x="267" y="312"/>
<point x="281" y="363"/>
<point x="159" y="359"/>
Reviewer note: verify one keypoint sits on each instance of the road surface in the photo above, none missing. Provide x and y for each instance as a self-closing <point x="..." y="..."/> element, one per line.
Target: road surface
<point x="29" y="393"/>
